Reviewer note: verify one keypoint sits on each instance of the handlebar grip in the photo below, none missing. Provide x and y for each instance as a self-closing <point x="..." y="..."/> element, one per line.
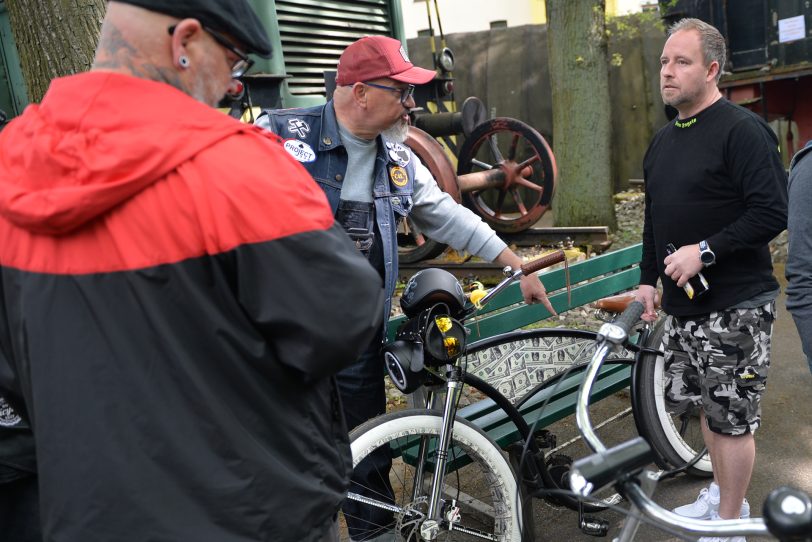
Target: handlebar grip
<point x="630" y="316"/>
<point x="545" y="261"/>
<point x="788" y="514"/>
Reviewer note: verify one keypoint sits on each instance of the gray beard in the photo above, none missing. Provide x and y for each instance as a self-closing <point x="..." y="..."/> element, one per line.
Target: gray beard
<point x="397" y="132"/>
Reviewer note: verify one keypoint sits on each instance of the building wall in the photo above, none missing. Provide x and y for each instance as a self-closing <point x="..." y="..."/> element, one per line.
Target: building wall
<point x="476" y="15"/>
<point x="507" y="69"/>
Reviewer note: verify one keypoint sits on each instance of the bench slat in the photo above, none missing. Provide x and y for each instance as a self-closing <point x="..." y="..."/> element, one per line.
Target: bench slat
<point x="523" y="315"/>
<point x="556" y="280"/>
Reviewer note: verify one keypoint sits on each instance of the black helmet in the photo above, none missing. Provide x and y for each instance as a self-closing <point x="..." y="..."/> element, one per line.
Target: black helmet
<point x="431" y="286"/>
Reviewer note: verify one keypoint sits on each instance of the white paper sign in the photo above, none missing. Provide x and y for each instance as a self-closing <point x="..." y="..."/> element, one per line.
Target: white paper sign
<point x="791" y="29"/>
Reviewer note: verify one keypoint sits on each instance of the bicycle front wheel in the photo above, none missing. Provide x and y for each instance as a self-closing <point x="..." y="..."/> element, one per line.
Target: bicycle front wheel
<point x="676" y="438"/>
<point x="479" y="495"/>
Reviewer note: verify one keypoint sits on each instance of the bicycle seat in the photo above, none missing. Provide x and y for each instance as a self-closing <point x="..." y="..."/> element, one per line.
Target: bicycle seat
<point x="618" y="303"/>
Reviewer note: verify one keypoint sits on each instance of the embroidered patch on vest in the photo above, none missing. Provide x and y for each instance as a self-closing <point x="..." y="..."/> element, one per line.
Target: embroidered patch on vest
<point x="399" y="176"/>
<point x="399" y="154"/>
<point x="300" y="150"/>
<point x="8" y="417"/>
<point x="298" y="127"/>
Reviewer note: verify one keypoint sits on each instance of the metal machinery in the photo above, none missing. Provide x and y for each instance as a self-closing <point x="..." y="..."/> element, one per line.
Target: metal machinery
<point x="505" y="170"/>
<point x="769" y="59"/>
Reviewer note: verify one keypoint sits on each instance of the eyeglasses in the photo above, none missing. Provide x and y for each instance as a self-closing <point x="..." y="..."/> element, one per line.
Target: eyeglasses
<point x="406" y="93"/>
<point x="243" y="63"/>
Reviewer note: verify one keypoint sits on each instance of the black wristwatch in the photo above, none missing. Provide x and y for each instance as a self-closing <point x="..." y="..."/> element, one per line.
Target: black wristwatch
<point x="706" y="255"/>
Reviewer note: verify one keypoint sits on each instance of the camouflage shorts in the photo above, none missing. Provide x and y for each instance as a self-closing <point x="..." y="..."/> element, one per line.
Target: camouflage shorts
<point x="720" y="361"/>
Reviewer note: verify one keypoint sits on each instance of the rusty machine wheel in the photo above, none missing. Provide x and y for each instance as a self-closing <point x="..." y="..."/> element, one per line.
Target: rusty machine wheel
<point x="507" y="174"/>
<point x="413" y="245"/>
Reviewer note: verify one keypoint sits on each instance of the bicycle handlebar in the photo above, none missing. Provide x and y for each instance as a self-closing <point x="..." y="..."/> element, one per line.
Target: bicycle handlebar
<point x="526" y="269"/>
<point x="544" y="261"/>
<point x="630" y="316"/>
<point x="788" y="512"/>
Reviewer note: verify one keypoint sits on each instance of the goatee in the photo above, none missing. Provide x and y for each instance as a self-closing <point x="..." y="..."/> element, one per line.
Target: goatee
<point x="397" y="132"/>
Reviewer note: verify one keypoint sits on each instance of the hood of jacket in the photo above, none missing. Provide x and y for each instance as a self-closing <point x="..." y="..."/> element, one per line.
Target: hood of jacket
<point x="96" y="140"/>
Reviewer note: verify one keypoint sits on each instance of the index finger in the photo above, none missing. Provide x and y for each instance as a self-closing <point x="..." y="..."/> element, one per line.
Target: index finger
<point x="547" y="305"/>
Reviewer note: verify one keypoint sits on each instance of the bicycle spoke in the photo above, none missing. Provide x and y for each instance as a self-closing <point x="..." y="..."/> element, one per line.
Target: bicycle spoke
<point x="471" y="507"/>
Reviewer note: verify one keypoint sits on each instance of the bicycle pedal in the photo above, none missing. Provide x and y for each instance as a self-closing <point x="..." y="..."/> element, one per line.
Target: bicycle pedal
<point x="594" y="526"/>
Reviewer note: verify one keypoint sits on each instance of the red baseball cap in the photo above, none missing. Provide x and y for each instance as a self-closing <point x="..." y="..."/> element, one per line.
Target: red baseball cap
<point x="375" y="57"/>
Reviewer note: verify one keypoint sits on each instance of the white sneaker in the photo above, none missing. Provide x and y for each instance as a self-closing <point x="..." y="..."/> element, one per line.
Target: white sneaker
<point x="705" y="507"/>
<point x="702" y="508"/>
<point x="716" y="517"/>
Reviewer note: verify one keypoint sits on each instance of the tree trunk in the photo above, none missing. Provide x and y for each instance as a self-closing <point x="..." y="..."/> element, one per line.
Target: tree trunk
<point x="54" y="38"/>
<point x="579" y="76"/>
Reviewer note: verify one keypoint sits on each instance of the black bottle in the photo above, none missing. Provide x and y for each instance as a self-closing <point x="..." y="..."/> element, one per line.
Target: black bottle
<point x="696" y="285"/>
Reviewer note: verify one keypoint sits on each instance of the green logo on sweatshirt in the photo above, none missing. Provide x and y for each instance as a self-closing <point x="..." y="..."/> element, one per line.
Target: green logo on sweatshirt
<point x="685" y="124"/>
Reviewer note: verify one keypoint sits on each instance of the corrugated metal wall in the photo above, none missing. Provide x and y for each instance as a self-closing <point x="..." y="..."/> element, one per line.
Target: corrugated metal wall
<point x="315" y="32"/>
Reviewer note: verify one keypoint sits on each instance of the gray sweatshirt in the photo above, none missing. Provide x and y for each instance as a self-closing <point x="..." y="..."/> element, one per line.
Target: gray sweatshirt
<point x="799" y="259"/>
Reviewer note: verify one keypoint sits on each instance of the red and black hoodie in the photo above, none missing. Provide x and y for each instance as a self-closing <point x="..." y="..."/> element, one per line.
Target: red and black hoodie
<point x="174" y="299"/>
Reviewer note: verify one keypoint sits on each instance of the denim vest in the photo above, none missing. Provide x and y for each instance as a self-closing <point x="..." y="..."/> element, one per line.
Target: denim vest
<point x="311" y="136"/>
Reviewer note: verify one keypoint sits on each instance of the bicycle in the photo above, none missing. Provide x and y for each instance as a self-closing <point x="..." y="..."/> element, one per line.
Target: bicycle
<point x="787" y="511"/>
<point x="435" y="443"/>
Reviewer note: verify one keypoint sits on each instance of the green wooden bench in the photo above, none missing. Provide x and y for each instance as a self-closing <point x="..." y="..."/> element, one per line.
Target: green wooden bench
<point x="591" y="280"/>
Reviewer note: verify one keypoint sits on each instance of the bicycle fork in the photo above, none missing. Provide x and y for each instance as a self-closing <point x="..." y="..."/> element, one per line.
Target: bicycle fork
<point x="430" y="528"/>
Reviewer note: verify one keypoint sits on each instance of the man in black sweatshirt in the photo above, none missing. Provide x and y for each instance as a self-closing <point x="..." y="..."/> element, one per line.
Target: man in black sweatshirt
<point x="716" y="190"/>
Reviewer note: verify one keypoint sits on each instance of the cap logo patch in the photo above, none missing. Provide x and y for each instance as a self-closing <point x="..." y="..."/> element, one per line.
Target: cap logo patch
<point x="404" y="55"/>
<point x="398" y="176"/>
<point x="298" y="127"/>
<point x="300" y="150"/>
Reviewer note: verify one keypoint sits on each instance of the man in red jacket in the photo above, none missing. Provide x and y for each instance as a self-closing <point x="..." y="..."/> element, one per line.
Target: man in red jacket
<point x="171" y="283"/>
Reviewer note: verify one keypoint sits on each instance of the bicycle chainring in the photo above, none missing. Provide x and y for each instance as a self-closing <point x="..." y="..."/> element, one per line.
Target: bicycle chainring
<point x="559" y="468"/>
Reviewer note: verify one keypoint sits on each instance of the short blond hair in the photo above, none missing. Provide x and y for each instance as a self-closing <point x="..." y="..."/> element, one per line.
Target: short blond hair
<point x="710" y="39"/>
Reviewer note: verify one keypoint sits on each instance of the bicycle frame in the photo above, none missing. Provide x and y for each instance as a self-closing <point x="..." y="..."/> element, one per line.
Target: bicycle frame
<point x="455" y="379"/>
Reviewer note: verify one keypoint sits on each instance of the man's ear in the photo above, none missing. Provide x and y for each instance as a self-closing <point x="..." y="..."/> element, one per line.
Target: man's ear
<point x="713" y="69"/>
<point x="186" y="31"/>
<point x="359" y="94"/>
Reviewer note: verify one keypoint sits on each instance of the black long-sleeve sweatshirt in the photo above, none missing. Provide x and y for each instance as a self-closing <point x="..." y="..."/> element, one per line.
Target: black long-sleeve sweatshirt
<point x="715" y="176"/>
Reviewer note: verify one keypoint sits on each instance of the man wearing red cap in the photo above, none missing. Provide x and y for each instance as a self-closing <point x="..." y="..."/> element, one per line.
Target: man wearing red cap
<point x="353" y="148"/>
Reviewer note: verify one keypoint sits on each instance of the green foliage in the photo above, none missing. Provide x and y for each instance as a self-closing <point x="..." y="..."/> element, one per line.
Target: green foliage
<point x="630" y="26"/>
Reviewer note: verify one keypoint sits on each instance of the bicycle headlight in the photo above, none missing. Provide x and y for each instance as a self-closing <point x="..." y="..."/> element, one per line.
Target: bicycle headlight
<point x="444" y="338"/>
<point x="596" y="471"/>
<point x="441" y="336"/>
